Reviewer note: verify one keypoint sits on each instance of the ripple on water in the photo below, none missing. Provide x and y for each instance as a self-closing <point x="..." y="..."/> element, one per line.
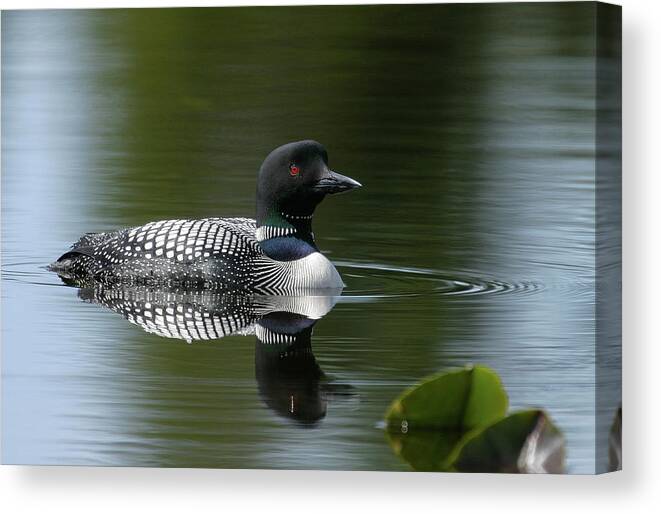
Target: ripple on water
<point x="380" y="280"/>
<point x="30" y="272"/>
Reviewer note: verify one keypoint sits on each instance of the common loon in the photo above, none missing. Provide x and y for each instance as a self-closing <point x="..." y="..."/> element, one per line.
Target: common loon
<point x="272" y="254"/>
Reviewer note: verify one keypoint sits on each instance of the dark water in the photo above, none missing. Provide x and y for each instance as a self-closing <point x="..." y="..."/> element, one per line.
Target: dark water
<point x="472" y="240"/>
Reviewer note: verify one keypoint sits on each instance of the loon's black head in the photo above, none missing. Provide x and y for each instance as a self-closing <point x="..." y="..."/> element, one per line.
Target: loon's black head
<point x="292" y="181"/>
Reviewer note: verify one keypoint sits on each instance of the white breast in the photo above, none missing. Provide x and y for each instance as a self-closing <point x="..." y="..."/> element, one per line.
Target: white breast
<point x="315" y="272"/>
<point x="312" y="272"/>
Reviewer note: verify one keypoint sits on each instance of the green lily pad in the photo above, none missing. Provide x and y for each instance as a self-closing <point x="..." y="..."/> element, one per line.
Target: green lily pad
<point x="456" y="402"/>
<point x="426" y="450"/>
<point x="524" y="442"/>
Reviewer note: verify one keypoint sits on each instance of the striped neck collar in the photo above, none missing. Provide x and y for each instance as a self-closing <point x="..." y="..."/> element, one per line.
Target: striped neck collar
<point x="266" y="232"/>
<point x="281" y="224"/>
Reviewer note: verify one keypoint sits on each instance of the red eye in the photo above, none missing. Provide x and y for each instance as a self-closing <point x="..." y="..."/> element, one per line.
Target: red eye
<point x="294" y="170"/>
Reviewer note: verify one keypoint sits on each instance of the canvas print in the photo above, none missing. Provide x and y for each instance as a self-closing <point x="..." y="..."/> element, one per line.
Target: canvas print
<point x="380" y="237"/>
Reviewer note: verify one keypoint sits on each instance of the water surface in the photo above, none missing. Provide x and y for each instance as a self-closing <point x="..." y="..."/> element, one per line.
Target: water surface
<point x="472" y="240"/>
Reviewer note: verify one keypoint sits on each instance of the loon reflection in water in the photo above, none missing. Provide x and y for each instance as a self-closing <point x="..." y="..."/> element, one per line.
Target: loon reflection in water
<point x="289" y="380"/>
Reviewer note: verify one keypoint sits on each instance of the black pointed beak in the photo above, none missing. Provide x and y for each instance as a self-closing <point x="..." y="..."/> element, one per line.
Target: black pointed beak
<point x="335" y="183"/>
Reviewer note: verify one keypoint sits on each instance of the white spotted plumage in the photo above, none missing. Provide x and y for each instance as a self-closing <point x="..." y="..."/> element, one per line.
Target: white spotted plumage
<point x="211" y="253"/>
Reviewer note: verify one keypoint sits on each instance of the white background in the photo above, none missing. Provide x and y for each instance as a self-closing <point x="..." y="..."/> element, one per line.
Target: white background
<point x="637" y="489"/>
